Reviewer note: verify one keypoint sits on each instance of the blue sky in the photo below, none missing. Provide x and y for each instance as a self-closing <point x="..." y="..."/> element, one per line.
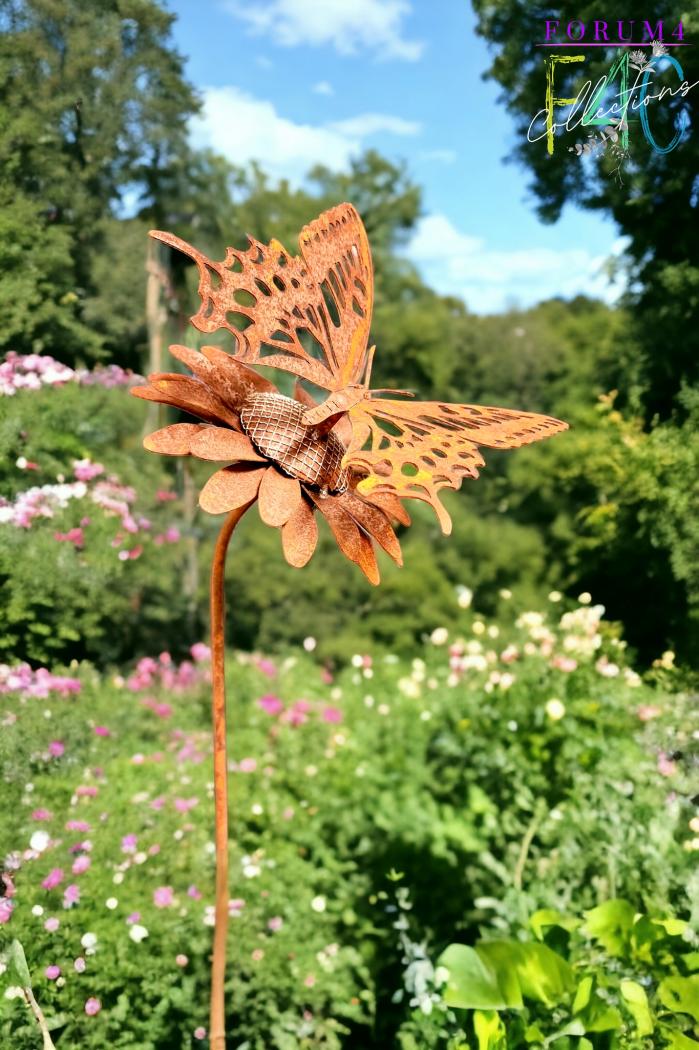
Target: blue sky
<point x="294" y="82"/>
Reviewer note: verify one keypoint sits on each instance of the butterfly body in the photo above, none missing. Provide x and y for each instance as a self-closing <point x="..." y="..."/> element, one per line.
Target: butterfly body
<point x="275" y="424"/>
<point x="310" y="315"/>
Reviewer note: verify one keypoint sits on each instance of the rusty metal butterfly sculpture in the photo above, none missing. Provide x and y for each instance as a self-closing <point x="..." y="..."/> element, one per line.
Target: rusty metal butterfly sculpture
<point x="310" y="314"/>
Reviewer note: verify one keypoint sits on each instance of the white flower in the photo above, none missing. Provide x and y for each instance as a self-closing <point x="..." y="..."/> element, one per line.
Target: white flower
<point x="408" y="687"/>
<point x="555" y="709"/>
<point x="439" y="636"/>
<point x="478" y="627"/>
<point x="585" y="598"/>
<point x="318" y="904"/>
<point x="88" y="940"/>
<point x="464" y="597"/>
<point x="37" y="910"/>
<point x="659" y="49"/>
<point x="138" y="933"/>
<point x="111" y="903"/>
<point x="505" y="594"/>
<point x="357" y="660"/>
<point x="39" y="841"/>
<point x="309" y="644"/>
<point x="441" y="975"/>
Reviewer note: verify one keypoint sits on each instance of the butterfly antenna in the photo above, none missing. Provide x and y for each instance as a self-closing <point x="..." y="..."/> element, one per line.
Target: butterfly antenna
<point x="390" y="390"/>
<point x="369" y="363"/>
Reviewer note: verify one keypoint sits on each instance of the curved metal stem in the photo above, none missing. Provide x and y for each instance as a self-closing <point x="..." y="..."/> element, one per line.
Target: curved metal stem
<point x="217" y="1020"/>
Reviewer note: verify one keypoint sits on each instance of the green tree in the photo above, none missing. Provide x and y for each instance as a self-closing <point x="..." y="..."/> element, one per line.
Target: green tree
<point x="654" y="205"/>
<point x="93" y="104"/>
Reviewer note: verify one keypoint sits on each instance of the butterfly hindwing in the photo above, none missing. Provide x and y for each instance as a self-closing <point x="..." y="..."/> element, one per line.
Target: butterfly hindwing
<point x="414" y="449"/>
<point x="307" y="314"/>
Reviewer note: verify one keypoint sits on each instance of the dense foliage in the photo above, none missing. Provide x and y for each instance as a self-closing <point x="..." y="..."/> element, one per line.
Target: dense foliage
<point x="514" y="782"/>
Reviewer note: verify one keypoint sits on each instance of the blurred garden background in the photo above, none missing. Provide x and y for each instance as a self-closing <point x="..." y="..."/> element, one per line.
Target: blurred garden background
<point x="498" y="747"/>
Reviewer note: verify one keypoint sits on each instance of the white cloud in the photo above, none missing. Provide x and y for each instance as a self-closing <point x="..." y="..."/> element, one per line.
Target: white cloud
<point x="375" y="123"/>
<point x="324" y="87"/>
<point x="489" y="280"/>
<point x="245" y="128"/>
<point x="350" y="26"/>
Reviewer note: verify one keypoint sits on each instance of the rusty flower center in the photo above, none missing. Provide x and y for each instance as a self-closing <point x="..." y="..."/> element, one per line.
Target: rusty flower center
<point x="276" y="428"/>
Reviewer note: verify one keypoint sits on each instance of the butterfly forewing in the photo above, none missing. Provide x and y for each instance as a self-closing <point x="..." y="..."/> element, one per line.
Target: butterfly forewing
<point x="307" y="314"/>
<point x="414" y="449"/>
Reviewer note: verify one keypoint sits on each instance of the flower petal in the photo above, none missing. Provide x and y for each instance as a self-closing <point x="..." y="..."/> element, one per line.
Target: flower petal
<point x="194" y="361"/>
<point x="280" y="496"/>
<point x="235" y="381"/>
<point x="343" y="430"/>
<point x="189" y="395"/>
<point x="302" y="396"/>
<point x="300" y="535"/>
<point x="220" y="443"/>
<point x="174" y="440"/>
<point x="389" y="503"/>
<point x="230" y="488"/>
<point x="374" y="522"/>
<point x="352" y="541"/>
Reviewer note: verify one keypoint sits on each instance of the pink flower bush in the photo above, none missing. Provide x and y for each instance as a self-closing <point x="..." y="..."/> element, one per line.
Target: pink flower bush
<point x="166" y="674"/>
<point x="53" y="879"/>
<point x="81" y="864"/>
<point x="164" y="897"/>
<point x="272" y="705"/>
<point x="86" y="470"/>
<point x="34" y="371"/>
<point x="25" y="682"/>
<point x="71" y="895"/>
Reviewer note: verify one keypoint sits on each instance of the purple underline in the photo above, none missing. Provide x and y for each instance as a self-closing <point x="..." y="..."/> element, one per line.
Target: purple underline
<point x="605" y="43"/>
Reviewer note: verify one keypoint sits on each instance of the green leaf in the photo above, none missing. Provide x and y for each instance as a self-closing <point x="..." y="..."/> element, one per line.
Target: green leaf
<point x="611" y="925"/>
<point x="681" y="994"/>
<point x="533" y="1034"/>
<point x="677" y="1040"/>
<point x="636" y="1000"/>
<point x="672" y="927"/>
<point x="543" y="919"/>
<point x="489" y="1029"/>
<point x="18" y="961"/>
<point x="543" y="975"/>
<point x="472" y="985"/>
<point x="582" y="995"/>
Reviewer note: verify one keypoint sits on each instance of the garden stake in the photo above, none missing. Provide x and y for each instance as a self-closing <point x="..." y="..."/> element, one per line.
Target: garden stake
<point x="352" y="457"/>
<point x="217" y="1021"/>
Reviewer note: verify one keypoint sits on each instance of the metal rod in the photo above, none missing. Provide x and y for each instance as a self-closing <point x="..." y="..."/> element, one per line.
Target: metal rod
<point x="217" y="1020"/>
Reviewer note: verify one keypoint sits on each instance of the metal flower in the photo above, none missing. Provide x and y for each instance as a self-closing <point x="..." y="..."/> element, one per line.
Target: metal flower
<point x="272" y="456"/>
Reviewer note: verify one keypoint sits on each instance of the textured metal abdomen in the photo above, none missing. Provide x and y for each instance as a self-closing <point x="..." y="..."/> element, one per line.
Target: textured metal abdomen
<point x="275" y="426"/>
